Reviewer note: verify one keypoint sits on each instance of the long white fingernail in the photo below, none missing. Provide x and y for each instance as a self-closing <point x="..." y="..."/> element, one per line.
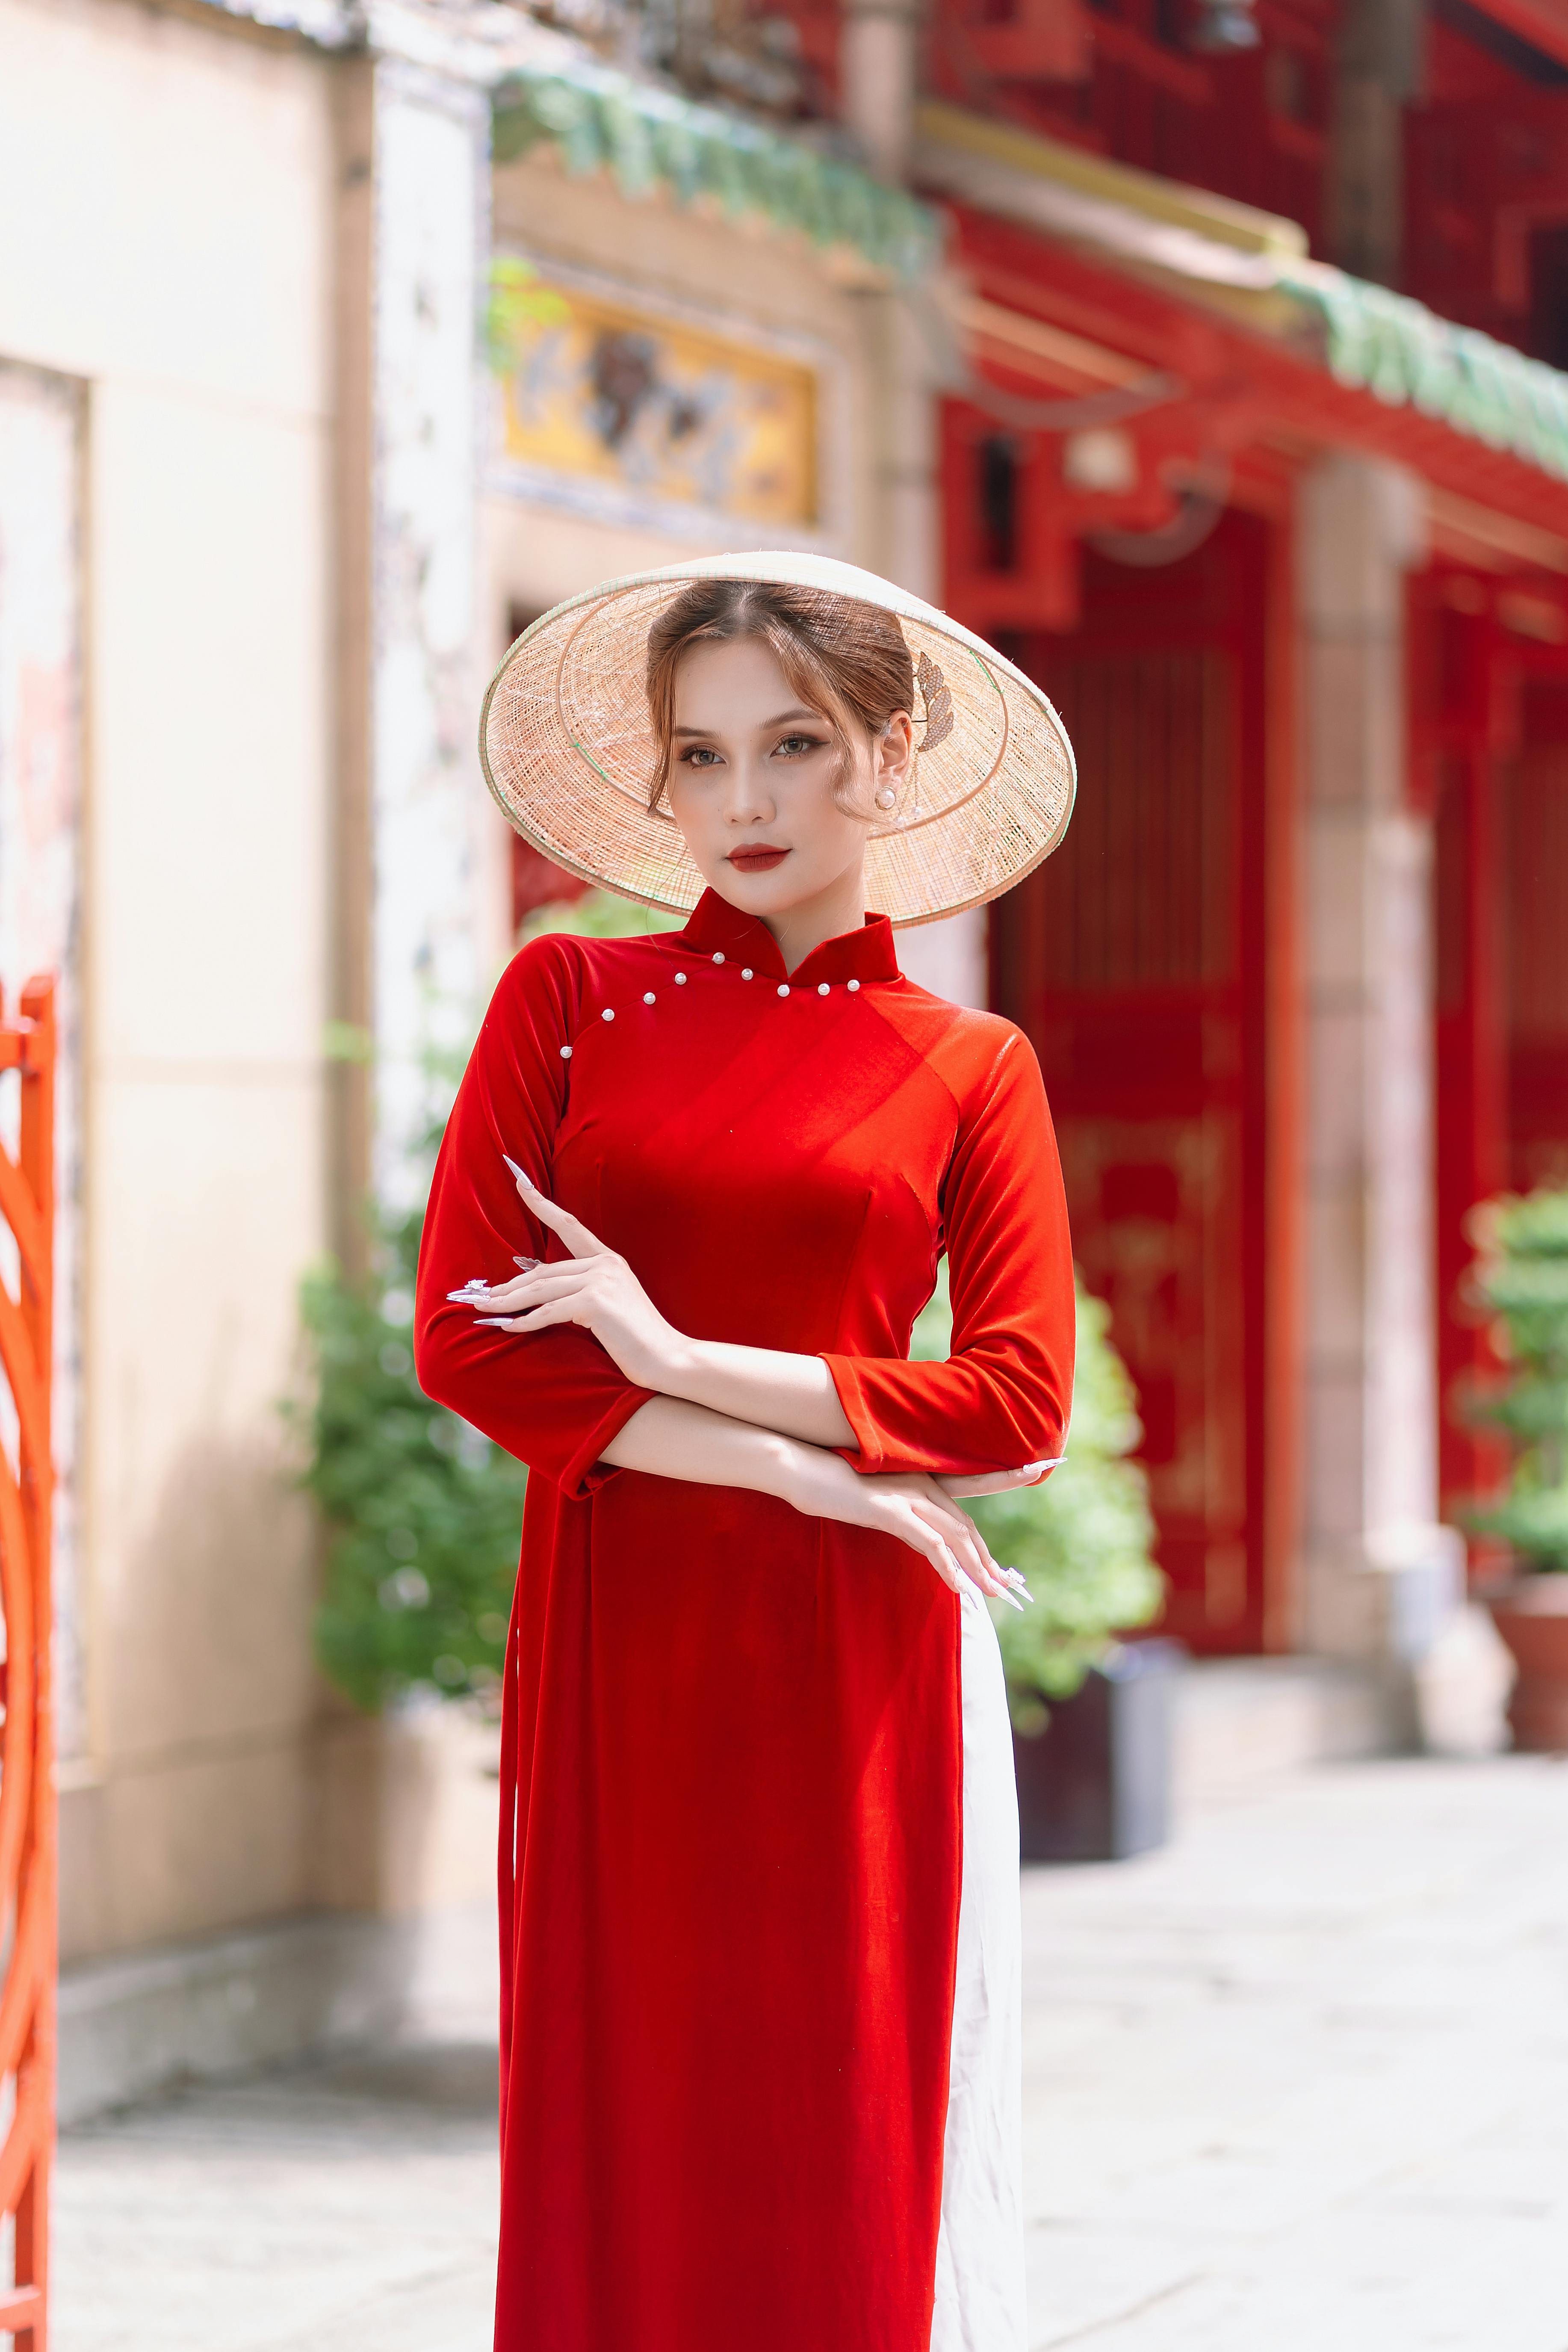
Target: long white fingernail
<point x="1012" y="1600"/>
<point x="522" y="1175"/>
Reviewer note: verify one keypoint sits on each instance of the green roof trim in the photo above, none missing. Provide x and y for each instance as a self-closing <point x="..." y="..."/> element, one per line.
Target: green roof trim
<point x="650" y="137"/>
<point x="1406" y="355"/>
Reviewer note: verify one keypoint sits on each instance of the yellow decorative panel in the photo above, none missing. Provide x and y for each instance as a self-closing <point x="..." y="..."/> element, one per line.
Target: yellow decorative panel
<point x="606" y="392"/>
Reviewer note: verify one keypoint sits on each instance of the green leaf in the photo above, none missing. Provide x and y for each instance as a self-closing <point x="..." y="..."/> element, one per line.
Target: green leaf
<point x="518" y="300"/>
<point x="1520" y="1274"/>
<point x="422" y="1513"/>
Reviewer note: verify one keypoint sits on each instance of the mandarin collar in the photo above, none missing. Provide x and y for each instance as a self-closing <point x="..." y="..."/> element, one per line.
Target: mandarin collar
<point x="716" y="927"/>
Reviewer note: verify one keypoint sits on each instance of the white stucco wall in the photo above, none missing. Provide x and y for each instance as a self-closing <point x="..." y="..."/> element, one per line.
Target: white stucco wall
<point x="167" y="190"/>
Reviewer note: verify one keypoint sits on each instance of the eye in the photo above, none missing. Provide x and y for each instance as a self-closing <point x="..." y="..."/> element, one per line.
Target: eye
<point x="796" y="747"/>
<point x="699" y="755"/>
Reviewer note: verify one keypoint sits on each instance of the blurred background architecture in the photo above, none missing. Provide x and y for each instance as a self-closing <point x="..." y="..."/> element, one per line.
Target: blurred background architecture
<point x="1202" y="353"/>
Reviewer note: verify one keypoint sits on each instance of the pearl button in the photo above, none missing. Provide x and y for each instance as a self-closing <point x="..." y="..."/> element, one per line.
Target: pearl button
<point x="606" y="1014"/>
<point x="648" y="996"/>
<point x="681" y="979"/>
<point x="822" y="988"/>
<point x="854" y="984"/>
<point x="745" y="971"/>
<point x="718" y="959"/>
<point x="566" y="1052"/>
<point x="783" y="988"/>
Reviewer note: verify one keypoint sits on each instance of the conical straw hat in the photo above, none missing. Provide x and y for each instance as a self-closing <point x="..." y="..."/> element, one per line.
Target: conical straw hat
<point x="569" y="753"/>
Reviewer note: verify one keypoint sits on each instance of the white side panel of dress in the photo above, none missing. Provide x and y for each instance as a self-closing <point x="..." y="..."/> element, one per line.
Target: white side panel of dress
<point x="980" y="2247"/>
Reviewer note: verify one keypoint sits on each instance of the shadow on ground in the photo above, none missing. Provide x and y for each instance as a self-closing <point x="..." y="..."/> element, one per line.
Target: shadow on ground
<point x="347" y="2205"/>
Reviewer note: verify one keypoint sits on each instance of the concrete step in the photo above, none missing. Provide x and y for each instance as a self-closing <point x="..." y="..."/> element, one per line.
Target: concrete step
<point x="143" y="2022"/>
<point x="1240" y="1722"/>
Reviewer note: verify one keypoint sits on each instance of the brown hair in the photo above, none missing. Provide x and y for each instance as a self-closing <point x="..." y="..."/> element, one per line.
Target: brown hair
<point x="847" y="659"/>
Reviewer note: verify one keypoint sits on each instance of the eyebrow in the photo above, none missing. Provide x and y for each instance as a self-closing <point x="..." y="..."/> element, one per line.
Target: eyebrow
<point x="800" y="711"/>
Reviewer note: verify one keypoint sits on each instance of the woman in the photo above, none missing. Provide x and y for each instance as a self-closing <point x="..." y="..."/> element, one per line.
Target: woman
<point x="760" y="1931"/>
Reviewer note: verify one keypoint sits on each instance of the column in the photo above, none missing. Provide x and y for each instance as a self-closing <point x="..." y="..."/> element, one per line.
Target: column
<point x="876" y="74"/>
<point x="404" y="1817"/>
<point x="1380" y="1575"/>
<point x="878" y="67"/>
<point x="413" y="960"/>
<point x="428" y="801"/>
<point x="1377" y="70"/>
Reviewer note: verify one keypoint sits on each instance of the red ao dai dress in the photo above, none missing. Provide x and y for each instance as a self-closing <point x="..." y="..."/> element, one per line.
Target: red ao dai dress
<point x="759" y="1847"/>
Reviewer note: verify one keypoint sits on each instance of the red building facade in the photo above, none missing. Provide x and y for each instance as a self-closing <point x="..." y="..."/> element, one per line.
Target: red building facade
<point x="1291" y="553"/>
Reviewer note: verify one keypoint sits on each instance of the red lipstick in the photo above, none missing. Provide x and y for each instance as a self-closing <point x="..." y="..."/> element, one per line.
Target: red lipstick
<point x="760" y="858"/>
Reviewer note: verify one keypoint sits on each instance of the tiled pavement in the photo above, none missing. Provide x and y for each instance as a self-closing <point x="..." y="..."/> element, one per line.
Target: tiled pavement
<point x="1298" y="2085"/>
<point x="1301" y="2084"/>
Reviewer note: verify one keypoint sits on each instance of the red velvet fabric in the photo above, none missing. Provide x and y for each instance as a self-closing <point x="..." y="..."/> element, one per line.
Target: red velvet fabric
<point x="731" y="1770"/>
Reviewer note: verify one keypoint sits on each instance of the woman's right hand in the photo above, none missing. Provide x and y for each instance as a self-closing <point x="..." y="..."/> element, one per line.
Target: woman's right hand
<point x="915" y="1508"/>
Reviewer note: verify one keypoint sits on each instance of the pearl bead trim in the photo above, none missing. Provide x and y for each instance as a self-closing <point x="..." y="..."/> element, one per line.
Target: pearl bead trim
<point x="824" y="988"/>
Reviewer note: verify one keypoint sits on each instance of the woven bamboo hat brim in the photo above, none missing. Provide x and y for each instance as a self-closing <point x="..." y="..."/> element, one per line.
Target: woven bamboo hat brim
<point x="568" y="753"/>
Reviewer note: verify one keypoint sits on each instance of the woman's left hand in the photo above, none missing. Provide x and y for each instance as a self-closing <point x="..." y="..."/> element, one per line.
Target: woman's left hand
<point x="997" y="1482"/>
<point x="594" y="1287"/>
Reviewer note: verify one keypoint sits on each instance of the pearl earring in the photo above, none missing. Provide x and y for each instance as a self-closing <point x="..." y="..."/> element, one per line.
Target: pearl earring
<point x="885" y="799"/>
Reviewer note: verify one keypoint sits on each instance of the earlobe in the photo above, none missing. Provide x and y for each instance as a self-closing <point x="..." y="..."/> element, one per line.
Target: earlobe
<point x="895" y="759"/>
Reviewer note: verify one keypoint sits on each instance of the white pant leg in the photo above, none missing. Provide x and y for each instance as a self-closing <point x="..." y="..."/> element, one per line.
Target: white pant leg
<point x="980" y="2247"/>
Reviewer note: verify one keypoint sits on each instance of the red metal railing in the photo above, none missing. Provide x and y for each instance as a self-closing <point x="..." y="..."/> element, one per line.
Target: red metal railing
<point x="27" y="1734"/>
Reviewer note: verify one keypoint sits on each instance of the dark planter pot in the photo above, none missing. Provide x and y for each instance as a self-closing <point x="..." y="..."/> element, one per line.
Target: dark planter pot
<point x="1096" y="1785"/>
<point x="1533" y="1618"/>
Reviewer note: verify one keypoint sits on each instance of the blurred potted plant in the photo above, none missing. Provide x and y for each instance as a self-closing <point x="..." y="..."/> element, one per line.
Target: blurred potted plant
<point x="1521" y="1277"/>
<point x="421" y="1512"/>
<point x="1091" y="1713"/>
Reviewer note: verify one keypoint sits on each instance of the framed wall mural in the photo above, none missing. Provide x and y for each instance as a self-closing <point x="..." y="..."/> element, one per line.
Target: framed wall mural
<point x="655" y="415"/>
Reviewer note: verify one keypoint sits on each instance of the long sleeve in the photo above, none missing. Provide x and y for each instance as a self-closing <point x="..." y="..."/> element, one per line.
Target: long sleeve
<point x="553" y="1398"/>
<point x="1003" y="1396"/>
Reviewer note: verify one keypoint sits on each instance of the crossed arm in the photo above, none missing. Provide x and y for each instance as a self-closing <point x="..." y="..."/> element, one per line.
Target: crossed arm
<point x="730" y="1416"/>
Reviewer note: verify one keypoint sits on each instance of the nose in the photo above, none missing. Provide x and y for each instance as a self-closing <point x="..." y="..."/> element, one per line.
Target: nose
<point x="747" y="799"/>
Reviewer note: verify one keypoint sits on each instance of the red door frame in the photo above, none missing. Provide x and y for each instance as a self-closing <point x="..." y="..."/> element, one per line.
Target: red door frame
<point x="1281" y="1410"/>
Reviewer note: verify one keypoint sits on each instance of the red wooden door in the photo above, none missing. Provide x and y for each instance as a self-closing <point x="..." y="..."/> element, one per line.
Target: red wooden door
<point x="1491" y="713"/>
<point x="1134" y="960"/>
<point x="1536" y="934"/>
